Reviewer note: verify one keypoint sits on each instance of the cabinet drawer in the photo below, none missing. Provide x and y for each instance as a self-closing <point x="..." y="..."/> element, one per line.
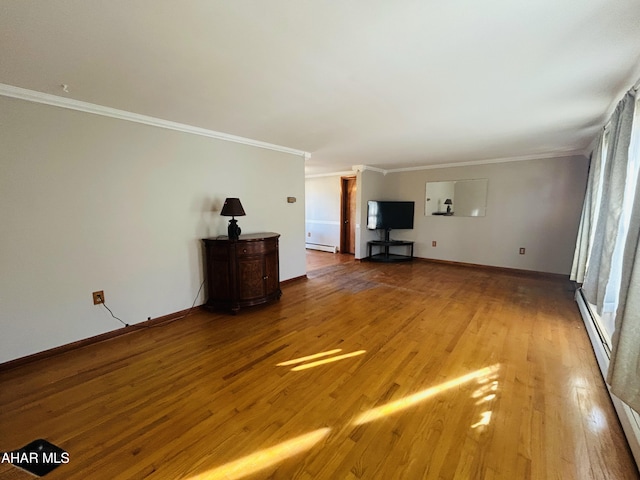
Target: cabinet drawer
<point x="254" y="248"/>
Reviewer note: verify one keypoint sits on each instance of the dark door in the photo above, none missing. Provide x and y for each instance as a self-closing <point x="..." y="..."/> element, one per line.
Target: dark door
<point x="348" y="215"/>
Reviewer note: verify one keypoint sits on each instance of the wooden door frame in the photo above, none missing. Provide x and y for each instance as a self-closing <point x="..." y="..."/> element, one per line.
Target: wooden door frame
<point x="344" y="209"/>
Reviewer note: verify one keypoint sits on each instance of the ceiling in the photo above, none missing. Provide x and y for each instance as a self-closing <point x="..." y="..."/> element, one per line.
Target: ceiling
<point x="389" y="84"/>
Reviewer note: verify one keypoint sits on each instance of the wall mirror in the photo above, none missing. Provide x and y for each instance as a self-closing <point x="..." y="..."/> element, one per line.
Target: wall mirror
<point x="459" y="198"/>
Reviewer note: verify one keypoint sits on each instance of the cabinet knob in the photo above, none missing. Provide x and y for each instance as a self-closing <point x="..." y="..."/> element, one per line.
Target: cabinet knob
<point x="244" y="250"/>
<point x="265" y="277"/>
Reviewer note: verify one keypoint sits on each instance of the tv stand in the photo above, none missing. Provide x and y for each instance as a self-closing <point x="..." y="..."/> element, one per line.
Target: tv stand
<point x="385" y="255"/>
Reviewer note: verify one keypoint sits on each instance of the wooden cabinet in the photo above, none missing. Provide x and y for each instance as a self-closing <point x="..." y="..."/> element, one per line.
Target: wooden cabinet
<point x="243" y="272"/>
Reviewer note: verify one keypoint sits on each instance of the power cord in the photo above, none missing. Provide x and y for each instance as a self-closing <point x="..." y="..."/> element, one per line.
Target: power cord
<point x="159" y="324"/>
<point x="105" y="306"/>
<point x="162" y="324"/>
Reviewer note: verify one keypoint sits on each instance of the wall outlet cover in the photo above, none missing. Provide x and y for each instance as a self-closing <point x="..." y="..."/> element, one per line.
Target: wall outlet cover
<point x="98" y="297"/>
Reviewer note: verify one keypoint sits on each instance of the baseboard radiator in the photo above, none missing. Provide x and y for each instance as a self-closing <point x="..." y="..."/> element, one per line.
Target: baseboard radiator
<point x="629" y="418"/>
<point x="324" y="248"/>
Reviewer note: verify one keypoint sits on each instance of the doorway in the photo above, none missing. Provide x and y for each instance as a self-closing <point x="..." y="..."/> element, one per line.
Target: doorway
<point x="348" y="215"/>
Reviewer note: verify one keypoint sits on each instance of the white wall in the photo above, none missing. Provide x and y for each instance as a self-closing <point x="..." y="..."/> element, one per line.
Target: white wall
<point x="370" y="186"/>
<point x="322" y="218"/>
<point x="534" y="204"/>
<point x="93" y="203"/>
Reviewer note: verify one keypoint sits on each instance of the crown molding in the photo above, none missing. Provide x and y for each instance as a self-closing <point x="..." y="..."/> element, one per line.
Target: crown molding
<point x="523" y="158"/>
<point x="362" y="168"/>
<point x="354" y="169"/>
<point x="330" y="174"/>
<point x="71" y="104"/>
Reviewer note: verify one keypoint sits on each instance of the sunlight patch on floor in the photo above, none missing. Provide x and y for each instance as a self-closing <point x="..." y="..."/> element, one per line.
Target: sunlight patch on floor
<point x="485" y="418"/>
<point x="411" y="400"/>
<point x="265" y="458"/>
<point x="596" y="420"/>
<point x="328" y="360"/>
<point x="309" y="357"/>
<point x="488" y="398"/>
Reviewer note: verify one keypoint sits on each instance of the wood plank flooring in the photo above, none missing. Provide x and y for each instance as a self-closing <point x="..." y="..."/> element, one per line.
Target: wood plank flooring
<point x="419" y="371"/>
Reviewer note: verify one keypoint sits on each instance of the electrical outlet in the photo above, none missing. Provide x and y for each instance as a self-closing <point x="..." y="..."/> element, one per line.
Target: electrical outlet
<point x="433" y="244"/>
<point x="98" y="297"/>
<point x="308" y="234"/>
<point x="521" y="250"/>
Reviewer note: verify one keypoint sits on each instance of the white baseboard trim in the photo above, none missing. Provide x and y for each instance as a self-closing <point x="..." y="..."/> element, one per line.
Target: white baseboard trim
<point x="629" y="418"/>
<point x="324" y="248"/>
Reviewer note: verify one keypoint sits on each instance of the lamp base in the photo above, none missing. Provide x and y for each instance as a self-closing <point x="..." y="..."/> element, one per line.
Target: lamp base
<point x="233" y="229"/>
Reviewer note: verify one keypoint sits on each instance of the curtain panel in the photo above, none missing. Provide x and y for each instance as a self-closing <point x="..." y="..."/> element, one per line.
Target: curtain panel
<point x="615" y="172"/>
<point x="587" y="220"/>
<point x="624" y="367"/>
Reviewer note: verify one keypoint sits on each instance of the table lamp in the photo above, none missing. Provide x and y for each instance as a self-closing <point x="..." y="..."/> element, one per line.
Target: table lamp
<point x="233" y="208"/>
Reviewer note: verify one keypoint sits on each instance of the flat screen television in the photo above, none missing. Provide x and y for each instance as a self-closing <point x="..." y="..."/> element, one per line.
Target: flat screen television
<point x="388" y="216"/>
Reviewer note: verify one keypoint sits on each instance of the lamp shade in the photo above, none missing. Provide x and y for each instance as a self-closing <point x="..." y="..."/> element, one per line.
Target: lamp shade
<point x="232" y="208"/>
<point x="446" y="202"/>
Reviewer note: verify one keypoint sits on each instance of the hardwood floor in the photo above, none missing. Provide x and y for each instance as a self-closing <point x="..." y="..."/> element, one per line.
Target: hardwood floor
<point x="317" y="259"/>
<point x="430" y="371"/>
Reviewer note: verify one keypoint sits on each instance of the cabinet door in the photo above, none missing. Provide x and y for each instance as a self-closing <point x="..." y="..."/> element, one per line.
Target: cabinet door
<point x="251" y="277"/>
<point x="218" y="271"/>
<point x="219" y="279"/>
<point x="272" y="280"/>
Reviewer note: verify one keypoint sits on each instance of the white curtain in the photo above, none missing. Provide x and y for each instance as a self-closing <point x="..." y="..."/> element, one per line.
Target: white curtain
<point x="588" y="219"/>
<point x="624" y="367"/>
<point x="615" y="172"/>
<point x="607" y="255"/>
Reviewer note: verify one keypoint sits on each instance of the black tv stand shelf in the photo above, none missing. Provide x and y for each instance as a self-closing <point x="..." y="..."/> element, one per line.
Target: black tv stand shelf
<point x="385" y="255"/>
